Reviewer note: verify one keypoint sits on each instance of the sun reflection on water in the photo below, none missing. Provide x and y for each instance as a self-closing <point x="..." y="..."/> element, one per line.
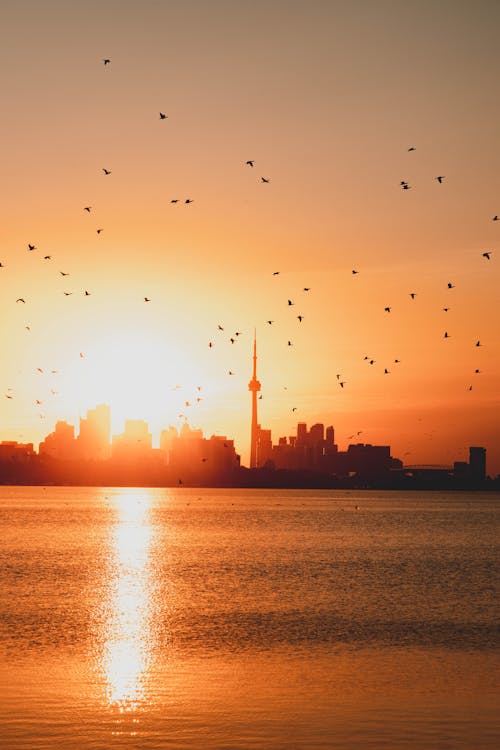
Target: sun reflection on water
<point x="127" y="650"/>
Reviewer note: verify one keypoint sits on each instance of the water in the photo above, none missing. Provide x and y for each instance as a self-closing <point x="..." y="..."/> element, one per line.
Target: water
<point x="247" y="620"/>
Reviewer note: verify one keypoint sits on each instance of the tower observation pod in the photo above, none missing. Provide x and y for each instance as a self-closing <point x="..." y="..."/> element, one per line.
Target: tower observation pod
<point x="254" y="388"/>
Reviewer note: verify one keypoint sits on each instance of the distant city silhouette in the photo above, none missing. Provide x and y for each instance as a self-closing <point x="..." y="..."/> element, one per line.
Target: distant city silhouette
<point x="310" y="458"/>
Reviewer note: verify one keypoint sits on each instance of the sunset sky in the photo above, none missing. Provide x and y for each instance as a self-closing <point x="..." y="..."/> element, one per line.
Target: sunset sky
<point x="327" y="98"/>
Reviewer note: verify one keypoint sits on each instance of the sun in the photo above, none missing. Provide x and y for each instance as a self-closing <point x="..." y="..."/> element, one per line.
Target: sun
<point x="138" y="372"/>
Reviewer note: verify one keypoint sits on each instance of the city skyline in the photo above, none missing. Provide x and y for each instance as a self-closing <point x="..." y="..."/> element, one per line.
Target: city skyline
<point x="313" y="179"/>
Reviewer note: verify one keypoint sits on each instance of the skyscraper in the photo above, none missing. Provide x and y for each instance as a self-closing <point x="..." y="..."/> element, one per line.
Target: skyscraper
<point x="254" y="388"/>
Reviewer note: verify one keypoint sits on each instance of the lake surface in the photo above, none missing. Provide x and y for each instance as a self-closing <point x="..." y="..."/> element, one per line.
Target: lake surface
<point x="248" y="619"/>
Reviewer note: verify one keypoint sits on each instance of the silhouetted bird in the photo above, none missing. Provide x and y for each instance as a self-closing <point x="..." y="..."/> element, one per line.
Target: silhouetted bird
<point x="413" y="295"/>
<point x="412" y="148"/>
<point x="82" y="355"/>
<point x="478" y="343"/>
<point x="265" y="179"/>
<point x="237" y="333"/>
<point x="188" y="200"/>
<point x="47" y="257"/>
<point x="31" y="247"/>
<point x="106" y="171"/>
<point x="63" y="274"/>
<point x="8" y="396"/>
<point x="405" y="186"/>
<point x="354" y="272"/>
<point x="230" y="372"/>
<point x="470" y="388"/>
<point x="20" y="299"/>
<point x="87" y="208"/>
<point x="372" y="362"/>
<point x="495" y="218"/>
<point x="386" y="371"/>
<point x="290" y="302"/>
<point x="307" y="289"/>
<point x="450" y="285"/>
<point x="396" y="361"/>
<point x="106" y="61"/>
<point x="163" y="116"/>
<point x="387" y="309"/>
<point x="147" y="299"/>
<point x="37" y="402"/>
<point x="174" y="200"/>
<point x="446" y="335"/>
<point x="446" y="309"/>
<point x="476" y="372"/>
<point x="250" y="162"/>
<point x="300" y="318"/>
<point x="27" y="328"/>
<point x="289" y="343"/>
<point x="86" y="294"/>
<point x="98" y="231"/>
<point x="270" y="322"/>
<point x="2" y="265"/>
<point x="67" y="294"/>
<point x="276" y="273"/>
<point x="232" y="340"/>
<point x="210" y="345"/>
<point x="487" y="255"/>
<point x="342" y="383"/>
<point x="338" y="376"/>
<point x="220" y="327"/>
<point x="294" y="408"/>
<point x="39" y="369"/>
<point x="440" y="178"/>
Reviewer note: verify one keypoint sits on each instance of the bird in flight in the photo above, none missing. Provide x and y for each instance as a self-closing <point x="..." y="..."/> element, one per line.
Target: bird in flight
<point x="404" y="185"/>
<point x="98" y="231"/>
<point x="163" y="116"/>
<point x="440" y="178"/>
<point x="221" y="328"/>
<point x="210" y="345"/>
<point x="63" y="274"/>
<point x="31" y="247"/>
<point x="20" y="299"/>
<point x="106" y="171"/>
<point x="174" y="200"/>
<point x="289" y="343"/>
<point x="495" y="218"/>
<point x="412" y="148"/>
<point x="147" y="299"/>
<point x="68" y="294"/>
<point x="290" y="302"/>
<point x="476" y="372"/>
<point x="106" y="61"/>
<point x="276" y="273"/>
<point x="270" y="322"/>
<point x="82" y="355"/>
<point x="386" y="371"/>
<point x="300" y="318"/>
<point x="342" y="383"/>
<point x="188" y="200"/>
<point x="387" y="309"/>
<point x="87" y="209"/>
<point x="446" y="335"/>
<point x="354" y="272"/>
<point x="27" y="328"/>
<point x="250" y="162"/>
<point x="39" y="369"/>
<point x="450" y="285"/>
<point x="86" y="293"/>
<point x="478" y="343"/>
<point x="294" y="408"/>
<point x="230" y="372"/>
<point x="265" y="179"/>
<point x="47" y="257"/>
<point x="487" y="255"/>
<point x="446" y="309"/>
<point x="413" y="295"/>
<point x="307" y="289"/>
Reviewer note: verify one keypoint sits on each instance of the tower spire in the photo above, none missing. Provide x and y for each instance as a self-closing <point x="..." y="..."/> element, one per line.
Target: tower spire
<point x="254" y="388"/>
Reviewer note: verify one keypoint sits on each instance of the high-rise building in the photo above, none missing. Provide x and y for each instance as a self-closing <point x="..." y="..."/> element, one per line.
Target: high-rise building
<point x="95" y="432"/>
<point x="254" y="388"/>
<point x="477" y="464"/>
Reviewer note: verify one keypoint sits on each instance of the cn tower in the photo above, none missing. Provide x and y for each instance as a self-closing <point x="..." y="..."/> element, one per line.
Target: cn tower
<point x="254" y="387"/>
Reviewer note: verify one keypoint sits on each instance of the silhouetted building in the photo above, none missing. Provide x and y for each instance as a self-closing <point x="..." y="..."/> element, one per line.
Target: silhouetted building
<point x="254" y="387"/>
<point x="61" y="443"/>
<point x="134" y="443"/>
<point x="12" y="451"/>
<point x="477" y="464"/>
<point x="93" y="441"/>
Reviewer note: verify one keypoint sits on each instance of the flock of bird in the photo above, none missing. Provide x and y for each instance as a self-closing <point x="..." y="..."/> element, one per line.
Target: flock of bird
<point x="287" y="302"/>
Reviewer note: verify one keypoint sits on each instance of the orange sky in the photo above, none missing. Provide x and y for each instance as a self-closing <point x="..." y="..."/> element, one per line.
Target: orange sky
<point x="326" y="97"/>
